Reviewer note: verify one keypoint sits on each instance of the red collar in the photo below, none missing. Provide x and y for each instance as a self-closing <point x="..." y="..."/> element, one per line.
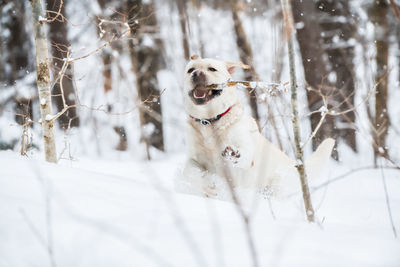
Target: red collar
<point x="211" y="120"/>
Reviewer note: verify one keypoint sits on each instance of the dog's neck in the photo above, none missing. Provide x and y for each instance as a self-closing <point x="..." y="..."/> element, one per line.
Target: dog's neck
<point x="209" y="121"/>
<point x="233" y="114"/>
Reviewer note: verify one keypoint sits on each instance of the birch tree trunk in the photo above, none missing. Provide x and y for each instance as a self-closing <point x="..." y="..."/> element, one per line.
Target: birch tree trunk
<point x="43" y="81"/>
<point x="288" y="20"/>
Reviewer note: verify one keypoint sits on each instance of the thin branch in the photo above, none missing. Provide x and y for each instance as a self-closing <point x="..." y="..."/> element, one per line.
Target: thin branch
<point x="344" y="175"/>
<point x="57" y="14"/>
<point x="388" y="203"/>
<point x="395" y="9"/>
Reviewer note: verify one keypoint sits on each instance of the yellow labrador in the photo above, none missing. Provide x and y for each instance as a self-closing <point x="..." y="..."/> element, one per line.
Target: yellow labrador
<point x="225" y="143"/>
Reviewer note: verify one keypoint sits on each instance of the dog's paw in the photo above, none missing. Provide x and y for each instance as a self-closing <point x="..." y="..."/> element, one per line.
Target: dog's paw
<point x="210" y="191"/>
<point x="231" y="154"/>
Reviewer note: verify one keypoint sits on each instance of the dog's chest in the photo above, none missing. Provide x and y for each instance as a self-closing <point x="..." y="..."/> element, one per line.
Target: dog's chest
<point x="208" y="142"/>
<point x="210" y="138"/>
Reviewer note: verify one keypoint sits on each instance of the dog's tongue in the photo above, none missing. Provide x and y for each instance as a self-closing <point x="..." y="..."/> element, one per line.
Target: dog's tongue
<point x="198" y="93"/>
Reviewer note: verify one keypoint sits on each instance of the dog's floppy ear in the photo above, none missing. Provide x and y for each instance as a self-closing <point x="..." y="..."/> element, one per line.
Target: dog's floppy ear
<point x="194" y="57"/>
<point x="231" y="66"/>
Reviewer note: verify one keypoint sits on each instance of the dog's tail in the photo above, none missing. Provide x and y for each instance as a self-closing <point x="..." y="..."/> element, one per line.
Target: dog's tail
<point x="315" y="163"/>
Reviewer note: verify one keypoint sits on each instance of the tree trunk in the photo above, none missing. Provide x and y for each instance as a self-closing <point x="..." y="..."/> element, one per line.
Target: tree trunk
<point x="58" y="34"/>
<point x="14" y="54"/>
<point x="288" y="19"/>
<point x="246" y="56"/>
<point x="398" y="51"/>
<point x="338" y="27"/>
<point x="146" y="56"/>
<point x="315" y="67"/>
<point x="43" y="81"/>
<point x="379" y="12"/>
<point x="107" y="31"/>
<point x="106" y="57"/>
<point x="17" y="43"/>
<point x="183" y="21"/>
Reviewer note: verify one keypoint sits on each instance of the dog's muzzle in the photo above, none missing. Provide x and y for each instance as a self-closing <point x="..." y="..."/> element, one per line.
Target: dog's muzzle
<point x="201" y="95"/>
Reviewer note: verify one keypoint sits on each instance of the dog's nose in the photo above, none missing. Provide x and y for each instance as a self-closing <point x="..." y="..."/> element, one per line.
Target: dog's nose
<point x="198" y="76"/>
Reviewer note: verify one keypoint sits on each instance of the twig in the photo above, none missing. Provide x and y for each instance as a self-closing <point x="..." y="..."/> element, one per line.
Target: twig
<point x="388" y="203"/>
<point x="57" y="14"/>
<point x="342" y="176"/>
<point x="114" y="231"/>
<point x="227" y="175"/>
<point x="324" y="113"/>
<point x="48" y="242"/>
<point x="396" y="10"/>
<point x="270" y="88"/>
<point x="33" y="228"/>
<point x="181" y="226"/>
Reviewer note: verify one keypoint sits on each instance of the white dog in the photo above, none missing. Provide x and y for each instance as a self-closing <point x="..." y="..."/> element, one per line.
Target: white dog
<point x="225" y="143"/>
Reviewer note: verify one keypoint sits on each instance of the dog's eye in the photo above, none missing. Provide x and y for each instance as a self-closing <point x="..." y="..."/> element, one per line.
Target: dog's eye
<point x="212" y="69"/>
<point x="190" y="70"/>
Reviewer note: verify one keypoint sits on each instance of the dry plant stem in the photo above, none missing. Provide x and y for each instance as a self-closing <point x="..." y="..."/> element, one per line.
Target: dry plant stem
<point x="246" y="220"/>
<point x="323" y="115"/>
<point x="247" y="84"/>
<point x="396" y="10"/>
<point x="180" y="223"/>
<point x="67" y="61"/>
<point x="342" y="176"/>
<point x="388" y="203"/>
<point x="315" y="130"/>
<point x="325" y="111"/>
<point x="43" y="82"/>
<point x="295" y="116"/>
<point x="58" y="12"/>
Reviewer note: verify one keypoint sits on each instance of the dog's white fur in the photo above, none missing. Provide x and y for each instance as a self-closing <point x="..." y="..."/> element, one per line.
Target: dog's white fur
<point x="260" y="164"/>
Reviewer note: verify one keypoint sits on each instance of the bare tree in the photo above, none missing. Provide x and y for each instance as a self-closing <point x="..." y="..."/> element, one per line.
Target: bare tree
<point x="43" y="81"/>
<point x="315" y="65"/>
<point x="379" y="11"/>
<point x="246" y="56"/>
<point x="288" y="20"/>
<point x="146" y="56"/>
<point x="14" y="54"/>
<point x="17" y="44"/>
<point x="183" y="22"/>
<point x="58" y="34"/>
<point x="338" y="28"/>
<point x="109" y="28"/>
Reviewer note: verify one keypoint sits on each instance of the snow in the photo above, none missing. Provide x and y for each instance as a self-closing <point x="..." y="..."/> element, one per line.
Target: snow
<point x="126" y="213"/>
<point x="109" y="208"/>
<point x="42" y="19"/>
<point x="49" y="117"/>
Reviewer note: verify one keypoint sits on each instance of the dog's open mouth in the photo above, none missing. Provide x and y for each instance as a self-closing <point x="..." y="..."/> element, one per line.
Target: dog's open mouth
<point x="201" y="94"/>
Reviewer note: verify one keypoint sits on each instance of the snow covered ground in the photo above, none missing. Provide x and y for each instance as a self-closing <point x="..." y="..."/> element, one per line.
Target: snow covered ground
<point x="126" y="213"/>
<point x="109" y="208"/>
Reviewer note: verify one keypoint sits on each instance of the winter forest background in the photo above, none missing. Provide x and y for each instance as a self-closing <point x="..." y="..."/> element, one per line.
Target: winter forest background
<point x="116" y="77"/>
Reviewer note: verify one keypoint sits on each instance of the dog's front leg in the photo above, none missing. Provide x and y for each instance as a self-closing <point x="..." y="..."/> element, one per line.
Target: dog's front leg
<point x="240" y="148"/>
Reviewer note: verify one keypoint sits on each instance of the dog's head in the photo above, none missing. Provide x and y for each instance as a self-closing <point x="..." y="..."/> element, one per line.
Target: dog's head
<point x="202" y="101"/>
